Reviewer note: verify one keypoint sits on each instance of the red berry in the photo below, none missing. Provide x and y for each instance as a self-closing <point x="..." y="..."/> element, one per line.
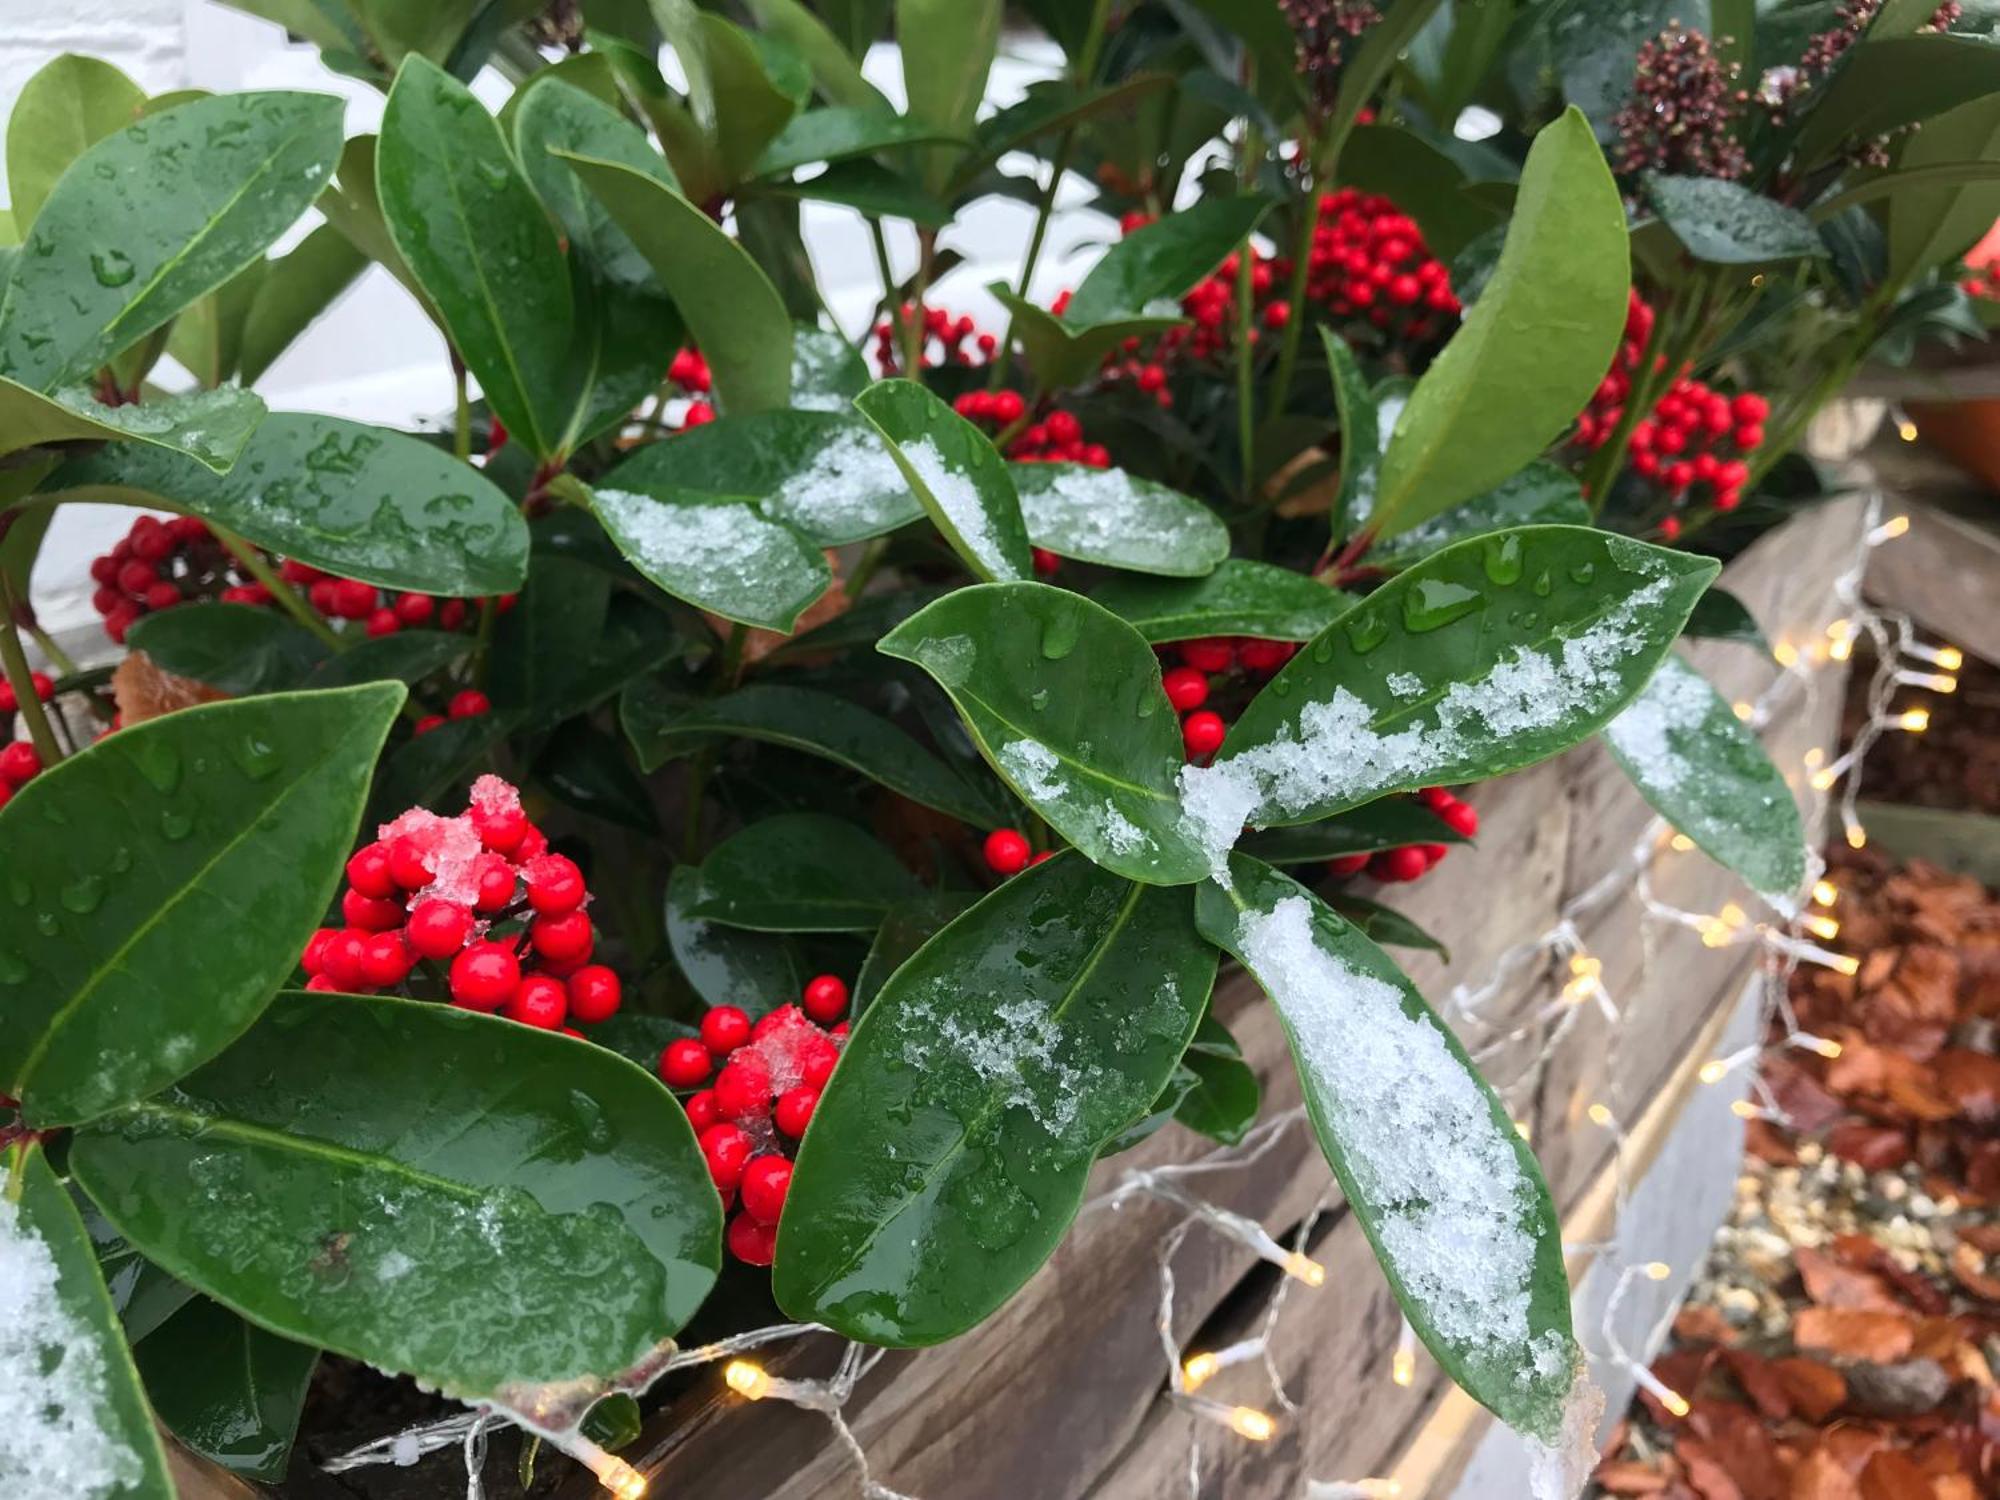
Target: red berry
<point x="1277" y="314"/>
<point x="385" y="959"/>
<point x="1008" y="407"/>
<point x="684" y="1062"/>
<point x="496" y="882"/>
<point x="724" y="1029"/>
<point x="1215" y="654"/>
<point x="1202" y="732"/>
<point x="750" y="1242"/>
<point x="1186" y="688"/>
<point x="1749" y="407"/>
<point x="19" y="764"/>
<point x="162" y="596"/>
<point x="743" y="1088"/>
<point x="485" y="976"/>
<point x="698" y="414"/>
<point x="701" y="1109"/>
<point x="414" y="609"/>
<point x="1063" y="427"/>
<point x="375" y="913"/>
<point x="1006" y="851"/>
<point x="452" y="614"/>
<point x="1046" y="562"/>
<point x="794" y="1110"/>
<point x="1264" y="657"/>
<point x="817" y="1057"/>
<point x="763" y="1185"/>
<point x="594" y="994"/>
<point x="313" y="960"/>
<point x="344" y="958"/>
<point x="825" y="998"/>
<point x="501" y="824"/>
<point x="383" y="622"/>
<point x="438" y="929"/>
<point x="1346" y="864"/>
<point x="1462" y="817"/>
<point x="427" y="723"/>
<point x="468" y="703"/>
<point x="555" y="884"/>
<point x="1406" y="863"/>
<point x="408" y="866"/>
<point x="562" y="938"/>
<point x="771" y="1020"/>
<point x="1749" y="435"/>
<point x="726" y="1148"/>
<point x="533" y="842"/>
<point x="353" y="599"/>
<point x="136" y="577"/>
<point x="320" y="982"/>
<point x="368" y="871"/>
<point x="540" y="1002"/>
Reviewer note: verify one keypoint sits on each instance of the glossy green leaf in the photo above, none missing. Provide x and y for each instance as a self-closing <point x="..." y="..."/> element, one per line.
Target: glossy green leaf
<point x="422" y="770"/>
<point x="1428" y="1159"/>
<point x="839" y="133"/>
<point x="354" y="209"/>
<point x="1386" y="823"/>
<point x="1702" y="769"/>
<point x="1496" y="397"/>
<point x="559" y="117"/>
<point x="1050" y="105"/>
<point x="987" y="1074"/>
<point x="832" y="68"/>
<point x="228" y="1389"/>
<point x="956" y="473"/>
<point x="903" y="931"/>
<point x="1726" y="223"/>
<point x="301" y="1180"/>
<point x="142" y="1294"/>
<point x="1886" y="84"/>
<point x="756" y="971"/>
<point x="361" y="501"/>
<point x="871" y="189"/>
<point x="801" y="872"/>
<point x="1158" y="263"/>
<point x="90" y="1432"/>
<point x="640" y="1037"/>
<point x="210" y="427"/>
<point x="206" y="339"/>
<point x="1930" y="225"/>
<point x="1064" y="701"/>
<point x="1118" y="519"/>
<point x="719" y="553"/>
<point x="467" y="224"/>
<point x="572" y="642"/>
<point x="591" y="73"/>
<point x="234" y="648"/>
<point x="165" y="881"/>
<point x="1240" y="597"/>
<point x="1719" y="615"/>
<point x="827" y="371"/>
<point x="821" y="724"/>
<point x="69" y="105"/>
<point x="1060" y="355"/>
<point x="153" y="216"/>
<point x="407" y="656"/>
<point x="1212" y="1091"/>
<point x="590" y="771"/>
<point x="1361" y="435"/>
<point x="1593" y="46"/>
<point x="825" y="473"/>
<point x="947" y="48"/>
<point x="1384" y="925"/>
<point x="1543" y="494"/>
<point x="1484" y="658"/>
<point x="731" y="308"/>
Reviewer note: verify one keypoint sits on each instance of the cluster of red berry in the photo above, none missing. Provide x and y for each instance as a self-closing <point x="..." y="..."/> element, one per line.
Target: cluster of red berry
<point x="20" y="762"/>
<point x="947" y="340"/>
<point x="378" y="611"/>
<point x="1056" y="437"/>
<point x="1695" y="442"/>
<point x="480" y="893"/>
<point x="1394" y="866"/>
<point x="1982" y="282"/>
<point x="768" y="1079"/>
<point x="689" y="371"/>
<point x="1188" y="684"/>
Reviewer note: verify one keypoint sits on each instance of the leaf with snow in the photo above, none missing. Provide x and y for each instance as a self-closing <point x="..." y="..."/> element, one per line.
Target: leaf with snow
<point x="1108" y="516"/>
<point x="1240" y="597"/>
<point x="717" y="552"/>
<point x="1444" y="1187"/>
<point x="73" y="1420"/>
<point x="1542" y="494"/>
<point x="1486" y="657"/>
<point x="957" y="474"/>
<point x="1701" y="769"/>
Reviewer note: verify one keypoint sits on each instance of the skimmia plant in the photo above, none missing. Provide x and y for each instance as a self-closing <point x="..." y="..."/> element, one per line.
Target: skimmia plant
<point x="762" y="793"/>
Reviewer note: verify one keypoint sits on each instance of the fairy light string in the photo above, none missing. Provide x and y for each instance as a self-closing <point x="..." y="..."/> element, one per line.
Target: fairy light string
<point x="1514" y="1054"/>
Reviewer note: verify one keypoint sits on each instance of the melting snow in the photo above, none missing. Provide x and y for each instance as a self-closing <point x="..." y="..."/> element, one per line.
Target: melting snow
<point x="841" y="488"/>
<point x="1102" y="511"/>
<point x="1674" y="702"/>
<point x="1033" y="767"/>
<point x="729" y="546"/>
<point x="450" y="847"/>
<point x="958" y="498"/>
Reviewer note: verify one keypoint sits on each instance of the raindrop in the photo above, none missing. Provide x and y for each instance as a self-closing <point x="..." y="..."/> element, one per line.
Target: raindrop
<point x="157" y="761"/>
<point x="1502" y="559"/>
<point x="1543" y="584"/>
<point x="48" y="924"/>
<point x="84" y="894"/>
<point x="1323" y="650"/>
<point x="175" y="825"/>
<point x="111" y="267"/>
<point x="12" y="970"/>
<point x="1059" y="634"/>
<point x="256" y="757"/>
<point x="1583" y="572"/>
<point x="1367" y="630"/>
<point x="1435" y="602"/>
<point x="1039" y="698"/>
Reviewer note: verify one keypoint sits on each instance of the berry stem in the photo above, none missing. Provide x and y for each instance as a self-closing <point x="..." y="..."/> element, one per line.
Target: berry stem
<point x="282" y="592"/>
<point x="15" y="660"/>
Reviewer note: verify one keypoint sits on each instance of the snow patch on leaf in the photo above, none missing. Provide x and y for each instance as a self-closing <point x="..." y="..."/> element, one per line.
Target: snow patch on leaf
<point x="1673" y="703"/>
<point x="958" y="498"/>
<point x="840" y="489"/>
<point x="1034" y="768"/>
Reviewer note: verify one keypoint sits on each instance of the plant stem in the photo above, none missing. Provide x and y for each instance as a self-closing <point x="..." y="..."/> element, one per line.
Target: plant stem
<point x="1246" y="396"/>
<point x="461" y="433"/>
<point x="285" y="596"/>
<point x="58" y="658"/>
<point x="732" y="657"/>
<point x="913" y="326"/>
<point x="22" y="681"/>
<point x="1295" y="296"/>
<point x="864" y="568"/>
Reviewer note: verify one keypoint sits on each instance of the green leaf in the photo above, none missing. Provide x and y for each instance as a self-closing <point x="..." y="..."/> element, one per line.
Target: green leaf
<point x="957" y="474"/>
<point x="235" y="648"/>
<point x="731" y="308"/>
<point x="166" y="880"/>
<point x="467" y="224"/>
<point x="821" y="724"/>
<point x="142" y="1294"/>
<point x="1386" y="823"/>
<point x="1240" y="597"/>
<point x="85" y="1430"/>
<point x="69" y="105"/>
<point x="903" y="931"/>
<point x="1543" y="494"/>
<point x="872" y="190"/>
<point x="1701" y="769"/>
<point x="827" y="372"/>
<point x="1213" y="1092"/>
<point x="1060" y="355"/>
<point x="1887" y="83"/>
<point x="1049" y="105"/>
<point x="801" y="872"/>
<point x="1728" y="224"/>
<point x="210" y="427"/>
<point x="1484" y="658"/>
<point x="837" y="134"/>
<point x="407" y="656"/>
<point x="1064" y="701"/>
<point x="228" y="1389"/>
<point x="590" y="770"/>
<point x="352" y="207"/>
<point x="947" y="48"/>
<point x="572" y="642"/>
<point x="206" y="339"/>
<point x="1361" y="436"/>
<point x="421" y="770"/>
<point x="1719" y="615"/>
<point x="150" y="218"/>
<point x="1593" y="46"/>
<point x="727" y="965"/>
<point x="835" y="72"/>
<point x="640" y="1037"/>
<point x="1930" y="225"/>
<point x="717" y="552"/>
<point x="1493" y="400"/>
<point x="1111" y="517"/>
<point x="301" y="1180"/>
<point x="361" y="501"/>
<point x="1384" y="924"/>
<point x="559" y="117"/>
<point x="985" y="1078"/>
<point x="1425" y="183"/>
<point x="1160" y="262"/>
<point x="1447" y="1192"/>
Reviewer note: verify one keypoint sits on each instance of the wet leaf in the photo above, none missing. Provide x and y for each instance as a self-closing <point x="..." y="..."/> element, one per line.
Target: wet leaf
<point x="1120" y="520"/>
<point x="1361" y="437"/>
<point x="1930" y="225"/>
<point x="1157" y="264"/>
<point x="300" y="1180"/>
<point x="956" y="474"/>
<point x="838" y="133"/>
<point x="1720" y="616"/>
<point x="1240" y="597"/>
<point x="69" y="104"/>
<point x="572" y="642"/>
<point x="407" y="656"/>
<point x="754" y="971"/>
<point x="1543" y="494"/>
<point x="1387" y="823"/>
<point x="906" y="929"/>
<point x="720" y="553"/>
<point x="986" y="1076"/>
<point x="210" y="427"/>
<point x="236" y="648"/>
<point x="1726" y="223"/>
<point x="228" y="1389"/>
<point x="801" y="872"/>
<point x="1384" y="925"/>
<point x="162" y="883"/>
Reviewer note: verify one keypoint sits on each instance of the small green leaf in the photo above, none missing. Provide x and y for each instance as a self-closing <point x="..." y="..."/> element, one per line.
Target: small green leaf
<point x="801" y="872"/>
<point x="1484" y="658"/>
<point x="717" y="552"/>
<point x="234" y="648"/>
<point x="572" y="642"/>
<point x="85" y="1429"/>
<point x="591" y="772"/>
<point x="361" y="501"/>
<point x="1060" y="355"/>
<point x="1384" y="924"/>
<point x="559" y="117"/>
<point x="1719" y="615"/>
<point x="1239" y="598"/>
<point x="1361" y="436"/>
<point x="142" y="1294"/>
<point x="1543" y="494"/>
<point x="1064" y="701"/>
<point x="985" y="1078"/>
<point x="947" y="48"/>
<point x="839" y="133"/>
<point x="1213" y="1092"/>
<point x="906" y="929"/>
<point x="1701" y="769"/>
<point x="872" y="189"/>
<point x="1728" y="224"/>
<point x="1494" y="399"/>
<point x="228" y="1389"/>
<point x="1888" y="83"/>
<point x="1930" y="225"/>
<point x="300" y="1180"/>
<point x="821" y="724"/>
<point x="150" y="218"/>
<point x="835" y="72"/>
<point x="755" y="971"/>
<point x="69" y="105"/>
<point x="1050" y="105"/>
<point x="957" y="474"/>
<point x="423" y="769"/>
<point x="407" y="656"/>
<point x="1386" y="823"/>
<point x="1108" y="516"/>
<point x="1425" y="183"/>
<point x="168" y="878"/>
<point x="1447" y="1192"/>
<point x="1157" y="264"/>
